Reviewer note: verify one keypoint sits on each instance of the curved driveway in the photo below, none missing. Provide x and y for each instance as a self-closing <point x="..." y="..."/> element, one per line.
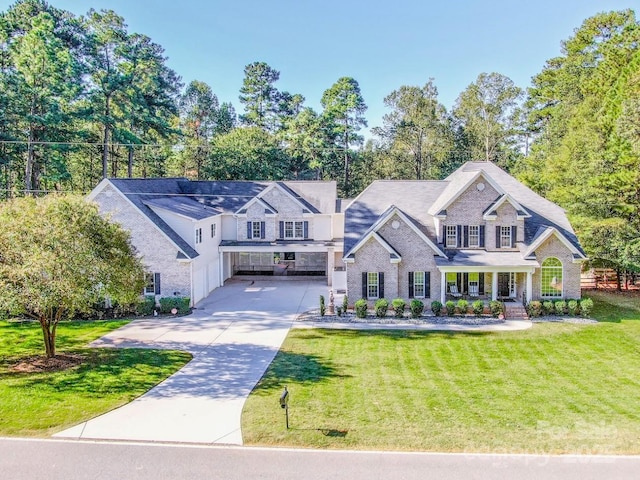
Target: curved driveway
<point x="233" y="336"/>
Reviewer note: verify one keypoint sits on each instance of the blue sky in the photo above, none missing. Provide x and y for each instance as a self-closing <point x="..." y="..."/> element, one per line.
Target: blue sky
<point x="382" y="44"/>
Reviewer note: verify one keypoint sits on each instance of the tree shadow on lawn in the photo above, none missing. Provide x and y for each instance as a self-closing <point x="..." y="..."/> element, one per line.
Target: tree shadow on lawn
<point x="395" y="334"/>
<point x="106" y="371"/>
<point x="288" y="367"/>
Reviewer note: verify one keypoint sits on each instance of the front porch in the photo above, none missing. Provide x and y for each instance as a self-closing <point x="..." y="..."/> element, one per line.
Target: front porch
<point x="487" y="284"/>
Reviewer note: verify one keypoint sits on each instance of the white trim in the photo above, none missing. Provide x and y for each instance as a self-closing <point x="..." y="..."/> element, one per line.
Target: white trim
<point x="545" y="236"/>
<point x="488" y="268"/>
<point x="507" y="198"/>
<point x="106" y="181"/>
<point x="382" y="220"/>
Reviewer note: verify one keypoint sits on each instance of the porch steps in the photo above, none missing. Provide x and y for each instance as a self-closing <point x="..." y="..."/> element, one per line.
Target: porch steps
<point x="514" y="311"/>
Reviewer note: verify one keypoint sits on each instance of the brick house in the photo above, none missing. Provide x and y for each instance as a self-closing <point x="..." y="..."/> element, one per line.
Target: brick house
<point x="192" y="236"/>
<point x="479" y="233"/>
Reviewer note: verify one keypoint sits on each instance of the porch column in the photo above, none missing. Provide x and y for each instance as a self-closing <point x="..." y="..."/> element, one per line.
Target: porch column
<point x="330" y="265"/>
<point x="494" y="285"/>
<point x="529" y="286"/>
<point x="221" y="269"/>
<point x="443" y="288"/>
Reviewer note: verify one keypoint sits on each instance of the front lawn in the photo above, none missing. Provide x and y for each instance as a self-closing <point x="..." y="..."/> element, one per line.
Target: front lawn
<point x="42" y="403"/>
<point x="555" y="388"/>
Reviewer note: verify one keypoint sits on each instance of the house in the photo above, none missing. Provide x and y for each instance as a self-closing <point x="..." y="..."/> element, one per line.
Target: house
<point x="194" y="235"/>
<point x="479" y="233"/>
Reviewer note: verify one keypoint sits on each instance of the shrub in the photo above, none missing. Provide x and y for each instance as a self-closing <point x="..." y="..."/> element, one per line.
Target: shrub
<point x="534" y="309"/>
<point x="451" y="307"/>
<point x="477" y="307"/>
<point x="496" y="308"/>
<point x="398" y="307"/>
<point x="560" y="307"/>
<point x="179" y="303"/>
<point x="361" y="308"/>
<point x="339" y="310"/>
<point x="345" y="304"/>
<point x="462" y="305"/>
<point x="572" y="306"/>
<point x="586" y="306"/>
<point x="381" y="306"/>
<point x="146" y="306"/>
<point x="436" y="307"/>
<point x="323" y="308"/>
<point x="416" y="307"/>
<point x="547" y="307"/>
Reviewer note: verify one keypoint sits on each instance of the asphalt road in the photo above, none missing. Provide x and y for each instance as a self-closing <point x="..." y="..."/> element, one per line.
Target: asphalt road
<point x="72" y="460"/>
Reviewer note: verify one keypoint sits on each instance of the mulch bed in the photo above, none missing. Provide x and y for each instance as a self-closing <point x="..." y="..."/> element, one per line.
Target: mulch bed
<point x="40" y="364"/>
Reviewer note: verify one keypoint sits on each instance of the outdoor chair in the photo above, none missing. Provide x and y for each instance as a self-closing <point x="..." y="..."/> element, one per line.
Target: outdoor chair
<point x="473" y="290"/>
<point x="453" y="291"/>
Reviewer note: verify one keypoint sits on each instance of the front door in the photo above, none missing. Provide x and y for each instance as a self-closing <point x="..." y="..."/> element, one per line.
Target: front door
<point x="503" y="285"/>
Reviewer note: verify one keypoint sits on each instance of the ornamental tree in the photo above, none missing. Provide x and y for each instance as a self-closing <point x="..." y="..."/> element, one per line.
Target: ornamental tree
<point x="59" y="257"/>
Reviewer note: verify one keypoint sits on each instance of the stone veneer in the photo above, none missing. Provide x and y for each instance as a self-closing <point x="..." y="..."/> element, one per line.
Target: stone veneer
<point x="158" y="253"/>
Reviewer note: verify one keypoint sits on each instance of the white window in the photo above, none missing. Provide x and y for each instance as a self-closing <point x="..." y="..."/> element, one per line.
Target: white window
<point x="149" y="284"/>
<point x="213" y="230"/>
<point x="505" y="237"/>
<point x="474" y="235"/>
<point x="452" y="236"/>
<point x="551" y="278"/>
<point x="198" y="235"/>
<point x="293" y="229"/>
<point x="372" y="285"/>
<point x="418" y="284"/>
<point x="255" y="230"/>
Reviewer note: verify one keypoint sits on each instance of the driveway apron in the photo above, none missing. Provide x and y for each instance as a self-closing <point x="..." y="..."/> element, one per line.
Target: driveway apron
<point x="233" y="336"/>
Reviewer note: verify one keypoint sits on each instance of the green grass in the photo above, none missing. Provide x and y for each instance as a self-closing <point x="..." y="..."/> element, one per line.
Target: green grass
<point x="557" y="388"/>
<point x="39" y="404"/>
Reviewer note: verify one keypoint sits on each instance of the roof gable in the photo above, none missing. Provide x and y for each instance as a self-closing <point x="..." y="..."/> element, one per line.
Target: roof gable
<point x="544" y="234"/>
<point x="458" y="183"/>
<point x="373" y="232"/>
<point x="492" y="211"/>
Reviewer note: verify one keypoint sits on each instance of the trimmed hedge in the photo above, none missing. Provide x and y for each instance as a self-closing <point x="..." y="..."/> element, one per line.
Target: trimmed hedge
<point x="179" y="303"/>
<point x="361" y="308"/>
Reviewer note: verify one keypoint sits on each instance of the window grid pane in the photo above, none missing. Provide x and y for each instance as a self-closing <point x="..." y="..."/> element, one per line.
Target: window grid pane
<point x="288" y="229"/>
<point x="418" y="284"/>
<point x="452" y="236"/>
<point x="255" y="230"/>
<point x="505" y="237"/>
<point x="551" y="282"/>
<point x="372" y="284"/>
<point x="474" y="235"/>
<point x="299" y="230"/>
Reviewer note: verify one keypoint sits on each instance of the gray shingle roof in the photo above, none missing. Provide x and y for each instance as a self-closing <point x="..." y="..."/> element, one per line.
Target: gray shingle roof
<point x="413" y="197"/>
<point x="186" y="206"/>
<point x="420" y="200"/>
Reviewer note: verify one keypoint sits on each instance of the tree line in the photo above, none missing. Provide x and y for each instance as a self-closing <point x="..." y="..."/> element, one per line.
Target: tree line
<point x="82" y="98"/>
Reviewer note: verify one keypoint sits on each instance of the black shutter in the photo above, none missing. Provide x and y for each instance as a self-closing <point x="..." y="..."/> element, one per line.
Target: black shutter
<point x="381" y="285"/>
<point x="465" y="283"/>
<point x="444" y="235"/>
<point x="466" y="236"/>
<point x="262" y="230"/>
<point x="156" y="283"/>
<point x="459" y="242"/>
<point x="305" y="226"/>
<point x="248" y="229"/>
<point x="459" y="281"/>
<point x="481" y="283"/>
<point x="497" y="237"/>
<point x="481" y="236"/>
<point x="281" y="230"/>
<point x="364" y="285"/>
<point x="427" y="284"/>
<point x="514" y="236"/>
<point x="411" y="285"/>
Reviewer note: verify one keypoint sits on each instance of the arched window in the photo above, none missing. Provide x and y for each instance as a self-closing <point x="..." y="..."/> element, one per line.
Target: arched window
<point x="551" y="278"/>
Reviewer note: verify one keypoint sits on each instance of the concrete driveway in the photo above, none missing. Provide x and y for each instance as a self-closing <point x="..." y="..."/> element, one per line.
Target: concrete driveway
<point x="233" y="336"/>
